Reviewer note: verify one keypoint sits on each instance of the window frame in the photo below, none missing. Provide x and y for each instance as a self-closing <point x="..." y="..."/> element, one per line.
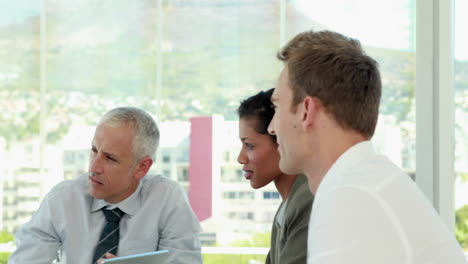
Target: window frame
<point x="435" y="147"/>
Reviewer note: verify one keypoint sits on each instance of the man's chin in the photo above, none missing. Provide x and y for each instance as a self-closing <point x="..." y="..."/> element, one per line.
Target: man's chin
<point x="285" y="167"/>
<point x="94" y="193"/>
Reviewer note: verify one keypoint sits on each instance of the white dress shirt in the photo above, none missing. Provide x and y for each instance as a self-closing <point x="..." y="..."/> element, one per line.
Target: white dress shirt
<point x="157" y="216"/>
<point x="368" y="211"/>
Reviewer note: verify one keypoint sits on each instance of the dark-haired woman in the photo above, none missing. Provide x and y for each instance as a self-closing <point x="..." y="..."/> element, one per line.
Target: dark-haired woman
<point x="260" y="159"/>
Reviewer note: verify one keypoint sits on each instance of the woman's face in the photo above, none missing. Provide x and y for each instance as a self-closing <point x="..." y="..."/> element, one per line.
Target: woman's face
<point x="259" y="155"/>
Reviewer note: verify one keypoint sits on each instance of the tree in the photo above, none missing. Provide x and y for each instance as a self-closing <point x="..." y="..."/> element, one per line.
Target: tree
<point x="4" y="257"/>
<point x="5" y="237"/>
<point x="257" y="240"/>
<point x="461" y="231"/>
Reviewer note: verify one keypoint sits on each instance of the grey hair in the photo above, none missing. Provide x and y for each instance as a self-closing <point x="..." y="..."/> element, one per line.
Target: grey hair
<point x="146" y="138"/>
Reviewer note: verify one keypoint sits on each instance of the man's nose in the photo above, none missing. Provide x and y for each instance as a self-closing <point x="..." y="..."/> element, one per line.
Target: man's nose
<point x="95" y="164"/>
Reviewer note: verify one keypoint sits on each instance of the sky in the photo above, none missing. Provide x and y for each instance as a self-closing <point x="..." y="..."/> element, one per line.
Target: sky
<point x="351" y="17"/>
<point x="380" y="23"/>
<point x="16" y="11"/>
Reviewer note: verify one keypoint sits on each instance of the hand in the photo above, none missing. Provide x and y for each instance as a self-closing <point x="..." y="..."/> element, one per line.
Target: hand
<point x="107" y="256"/>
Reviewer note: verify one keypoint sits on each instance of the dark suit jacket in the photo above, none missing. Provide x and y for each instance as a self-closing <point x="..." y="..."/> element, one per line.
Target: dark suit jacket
<point x="289" y="243"/>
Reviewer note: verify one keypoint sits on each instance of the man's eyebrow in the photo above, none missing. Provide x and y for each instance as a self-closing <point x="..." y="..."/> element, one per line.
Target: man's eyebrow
<point x="109" y="154"/>
<point x="112" y="155"/>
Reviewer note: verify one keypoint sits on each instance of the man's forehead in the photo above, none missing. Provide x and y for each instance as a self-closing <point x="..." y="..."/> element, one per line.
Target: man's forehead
<point x="279" y="92"/>
<point x="112" y="140"/>
<point x="283" y="82"/>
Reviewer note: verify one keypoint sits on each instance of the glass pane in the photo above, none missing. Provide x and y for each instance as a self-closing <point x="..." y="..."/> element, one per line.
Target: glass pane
<point x="391" y="41"/>
<point x="461" y="122"/>
<point x="19" y="112"/>
<point x="214" y="54"/>
<point x="99" y="55"/>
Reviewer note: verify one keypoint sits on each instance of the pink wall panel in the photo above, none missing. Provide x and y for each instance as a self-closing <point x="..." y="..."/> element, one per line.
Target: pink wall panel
<point x="200" y="168"/>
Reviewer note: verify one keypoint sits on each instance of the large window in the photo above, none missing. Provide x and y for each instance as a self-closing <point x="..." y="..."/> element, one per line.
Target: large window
<point x="20" y="148"/>
<point x="391" y="41"/>
<point x="64" y="63"/>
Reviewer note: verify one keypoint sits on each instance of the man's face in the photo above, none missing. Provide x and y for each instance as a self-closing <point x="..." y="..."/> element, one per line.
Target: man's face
<point x="111" y="165"/>
<point x="286" y="126"/>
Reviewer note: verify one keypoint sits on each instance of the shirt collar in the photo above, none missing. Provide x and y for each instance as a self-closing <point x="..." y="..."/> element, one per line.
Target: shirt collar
<point x="130" y="206"/>
<point x="349" y="159"/>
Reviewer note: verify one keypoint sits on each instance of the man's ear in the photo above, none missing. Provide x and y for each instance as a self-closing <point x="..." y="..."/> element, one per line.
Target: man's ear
<point x="142" y="167"/>
<point x="310" y="107"/>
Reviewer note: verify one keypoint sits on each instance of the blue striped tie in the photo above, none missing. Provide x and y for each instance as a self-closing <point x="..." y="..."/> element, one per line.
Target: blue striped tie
<point x="109" y="240"/>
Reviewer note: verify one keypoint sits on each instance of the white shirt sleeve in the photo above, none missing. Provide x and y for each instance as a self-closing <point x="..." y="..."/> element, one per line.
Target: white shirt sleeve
<point x="358" y="217"/>
<point x="367" y="210"/>
<point x="179" y="229"/>
<point x="160" y="218"/>
<point x="37" y="241"/>
<point x="355" y="226"/>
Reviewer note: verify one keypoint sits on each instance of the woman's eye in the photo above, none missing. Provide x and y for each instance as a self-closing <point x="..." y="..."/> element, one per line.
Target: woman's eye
<point x="249" y="146"/>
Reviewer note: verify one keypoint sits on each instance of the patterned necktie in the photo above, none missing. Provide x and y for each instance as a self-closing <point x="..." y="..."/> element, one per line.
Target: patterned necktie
<point x="109" y="240"/>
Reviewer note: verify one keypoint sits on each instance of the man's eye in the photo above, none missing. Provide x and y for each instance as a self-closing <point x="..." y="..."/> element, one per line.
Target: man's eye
<point x="111" y="158"/>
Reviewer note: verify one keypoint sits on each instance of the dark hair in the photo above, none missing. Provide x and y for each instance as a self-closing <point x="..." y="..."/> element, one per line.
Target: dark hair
<point x="258" y="107"/>
<point x="335" y="69"/>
